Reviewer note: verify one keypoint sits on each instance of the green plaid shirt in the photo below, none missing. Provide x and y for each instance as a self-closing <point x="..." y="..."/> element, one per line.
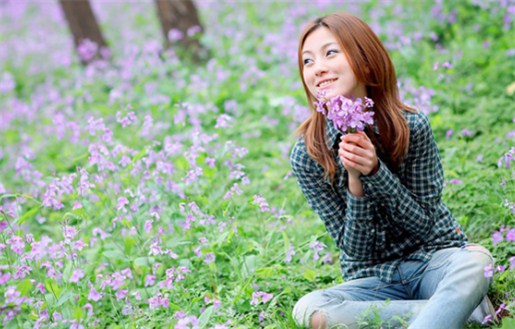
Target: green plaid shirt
<point x="401" y="215"/>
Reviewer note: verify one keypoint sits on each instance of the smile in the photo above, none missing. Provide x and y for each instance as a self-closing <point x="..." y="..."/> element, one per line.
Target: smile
<point x="325" y="83"/>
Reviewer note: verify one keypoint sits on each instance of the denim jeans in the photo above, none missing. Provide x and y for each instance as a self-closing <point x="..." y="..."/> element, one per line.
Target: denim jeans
<point x="443" y="293"/>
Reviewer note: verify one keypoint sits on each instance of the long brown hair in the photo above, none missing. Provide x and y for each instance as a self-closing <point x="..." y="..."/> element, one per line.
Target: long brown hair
<point x="371" y="65"/>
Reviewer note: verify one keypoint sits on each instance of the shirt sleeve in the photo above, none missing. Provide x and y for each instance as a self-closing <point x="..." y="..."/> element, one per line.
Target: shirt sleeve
<point x="348" y="219"/>
<point x="412" y="202"/>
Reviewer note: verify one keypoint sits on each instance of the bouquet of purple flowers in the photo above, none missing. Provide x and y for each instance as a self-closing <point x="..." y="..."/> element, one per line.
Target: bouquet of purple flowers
<point x="347" y="115"/>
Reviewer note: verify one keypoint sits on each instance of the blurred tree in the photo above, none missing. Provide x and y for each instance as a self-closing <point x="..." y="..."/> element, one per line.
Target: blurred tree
<point x="180" y="24"/>
<point x="87" y="36"/>
<point x="179" y="19"/>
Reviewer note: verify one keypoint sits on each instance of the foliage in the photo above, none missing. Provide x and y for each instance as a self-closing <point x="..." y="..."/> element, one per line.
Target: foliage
<point x="152" y="192"/>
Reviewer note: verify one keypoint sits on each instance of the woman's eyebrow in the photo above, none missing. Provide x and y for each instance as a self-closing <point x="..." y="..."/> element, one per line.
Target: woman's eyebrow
<point x="323" y="47"/>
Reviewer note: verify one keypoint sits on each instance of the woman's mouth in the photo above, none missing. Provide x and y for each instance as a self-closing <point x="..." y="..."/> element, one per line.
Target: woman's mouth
<point x="325" y="83"/>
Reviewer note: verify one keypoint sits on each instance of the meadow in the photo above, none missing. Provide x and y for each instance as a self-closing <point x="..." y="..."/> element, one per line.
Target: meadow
<point x="154" y="192"/>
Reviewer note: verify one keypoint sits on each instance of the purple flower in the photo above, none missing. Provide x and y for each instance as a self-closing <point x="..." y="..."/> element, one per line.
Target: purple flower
<point x="127" y="120"/>
<point x="261" y="202"/>
<point x="175" y="35"/>
<point x="76" y="325"/>
<point x="223" y="121"/>
<point x="188" y="322"/>
<point x="289" y="254"/>
<point x="497" y="237"/>
<point x="77" y="275"/>
<point x="317" y="246"/>
<point x="489" y="271"/>
<point x="260" y="296"/>
<point x="447" y="65"/>
<point x="120" y="294"/>
<point x="262" y="316"/>
<point x="194" y="30"/>
<point x="6" y="276"/>
<point x="16" y="243"/>
<point x="487" y="319"/>
<point x="22" y="272"/>
<point x="510" y="236"/>
<point x="148" y="225"/>
<point x="158" y="301"/>
<point x="347" y="115"/>
<point x="69" y="232"/>
<point x="466" y="132"/>
<point x="449" y="133"/>
<point x="501" y="308"/>
<point x="122" y="201"/>
<point x="508" y="158"/>
<point x="3" y="226"/>
<point x="210" y="162"/>
<point x="150" y="280"/>
<point x="209" y="258"/>
<point x="87" y="49"/>
<point x="512" y="262"/>
<point x="94" y="295"/>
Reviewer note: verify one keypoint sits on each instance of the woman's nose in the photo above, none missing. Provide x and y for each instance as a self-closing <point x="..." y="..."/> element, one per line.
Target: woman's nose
<point x="320" y="68"/>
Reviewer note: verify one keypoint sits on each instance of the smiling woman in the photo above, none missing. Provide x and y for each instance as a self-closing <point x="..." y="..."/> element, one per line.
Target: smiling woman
<point x="378" y="193"/>
<point x="326" y="67"/>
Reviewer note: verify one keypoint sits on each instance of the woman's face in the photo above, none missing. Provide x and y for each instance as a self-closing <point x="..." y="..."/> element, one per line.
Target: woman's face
<point x="326" y="68"/>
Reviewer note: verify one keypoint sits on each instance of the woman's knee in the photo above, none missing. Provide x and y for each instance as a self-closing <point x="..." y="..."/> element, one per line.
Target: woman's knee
<point x="318" y="320"/>
<point x="480" y="251"/>
<point x="305" y="309"/>
<point x="480" y="260"/>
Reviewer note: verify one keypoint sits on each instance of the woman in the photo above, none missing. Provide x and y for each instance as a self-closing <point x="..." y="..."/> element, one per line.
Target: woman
<point x="378" y="192"/>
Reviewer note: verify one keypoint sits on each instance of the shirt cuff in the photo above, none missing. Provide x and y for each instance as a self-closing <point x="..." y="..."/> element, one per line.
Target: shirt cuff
<point x="383" y="182"/>
<point x="359" y="207"/>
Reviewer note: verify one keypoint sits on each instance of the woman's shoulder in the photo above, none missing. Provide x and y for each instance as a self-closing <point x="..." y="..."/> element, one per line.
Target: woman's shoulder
<point x="299" y="151"/>
<point x="299" y="157"/>
<point x="418" y="122"/>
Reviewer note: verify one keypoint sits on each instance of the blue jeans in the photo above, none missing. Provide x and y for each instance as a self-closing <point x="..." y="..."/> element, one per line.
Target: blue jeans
<point x="443" y="293"/>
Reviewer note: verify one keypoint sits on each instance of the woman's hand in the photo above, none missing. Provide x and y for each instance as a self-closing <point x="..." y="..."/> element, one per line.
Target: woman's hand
<point x="358" y="154"/>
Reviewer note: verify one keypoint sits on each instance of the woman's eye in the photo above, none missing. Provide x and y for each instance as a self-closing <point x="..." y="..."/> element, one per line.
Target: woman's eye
<point x="307" y="61"/>
<point x="332" y="51"/>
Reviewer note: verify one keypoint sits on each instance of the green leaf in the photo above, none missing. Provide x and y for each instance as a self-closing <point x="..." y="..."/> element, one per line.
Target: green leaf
<point x="24" y="287"/>
<point x="265" y="272"/>
<point x="129" y="243"/>
<point x="78" y="313"/>
<point x="5" y="196"/>
<point x="204" y="318"/>
<point x="52" y="287"/>
<point x="508" y="323"/>
<point x="286" y="241"/>
<point x="249" y="265"/>
<point x="310" y="275"/>
<point x="115" y="254"/>
<point x="143" y="261"/>
<point x="64" y="297"/>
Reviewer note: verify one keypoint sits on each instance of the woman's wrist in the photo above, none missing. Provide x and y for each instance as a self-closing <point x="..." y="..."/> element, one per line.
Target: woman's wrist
<point x="355" y="186"/>
<point x="375" y="170"/>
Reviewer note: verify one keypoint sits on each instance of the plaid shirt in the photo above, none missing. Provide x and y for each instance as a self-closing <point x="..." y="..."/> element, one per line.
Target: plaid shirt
<point x="401" y="215"/>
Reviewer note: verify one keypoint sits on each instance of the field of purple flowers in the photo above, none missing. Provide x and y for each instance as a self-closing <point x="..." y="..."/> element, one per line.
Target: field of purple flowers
<point x="150" y="192"/>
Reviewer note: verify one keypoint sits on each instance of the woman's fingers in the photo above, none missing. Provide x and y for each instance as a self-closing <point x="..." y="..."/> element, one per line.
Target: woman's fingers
<point x="356" y="150"/>
<point x="359" y="138"/>
<point x="365" y="161"/>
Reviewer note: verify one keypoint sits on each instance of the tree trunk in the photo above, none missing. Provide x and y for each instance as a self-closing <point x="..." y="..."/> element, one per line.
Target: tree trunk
<point x="87" y="36"/>
<point x="181" y="26"/>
